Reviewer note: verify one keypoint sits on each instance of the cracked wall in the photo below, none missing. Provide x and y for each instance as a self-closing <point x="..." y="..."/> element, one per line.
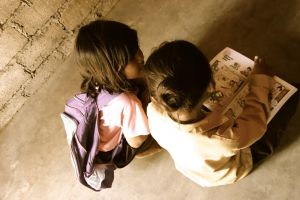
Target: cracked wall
<point x="35" y="38"/>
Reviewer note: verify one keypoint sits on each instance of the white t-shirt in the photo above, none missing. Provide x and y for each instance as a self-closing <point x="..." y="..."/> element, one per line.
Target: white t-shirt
<point x="215" y="150"/>
<point x="123" y="114"/>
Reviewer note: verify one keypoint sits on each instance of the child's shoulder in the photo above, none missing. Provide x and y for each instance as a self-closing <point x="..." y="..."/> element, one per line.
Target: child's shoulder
<point x="126" y="98"/>
<point x="155" y="109"/>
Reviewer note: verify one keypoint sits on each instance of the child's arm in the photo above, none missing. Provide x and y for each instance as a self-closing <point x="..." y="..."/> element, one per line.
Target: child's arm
<point x="135" y="122"/>
<point x="251" y="125"/>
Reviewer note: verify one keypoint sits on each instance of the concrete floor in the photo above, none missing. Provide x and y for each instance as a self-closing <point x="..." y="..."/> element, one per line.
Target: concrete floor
<point x="34" y="154"/>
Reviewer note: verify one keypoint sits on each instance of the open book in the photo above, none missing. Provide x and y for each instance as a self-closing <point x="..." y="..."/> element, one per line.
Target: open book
<point x="231" y="71"/>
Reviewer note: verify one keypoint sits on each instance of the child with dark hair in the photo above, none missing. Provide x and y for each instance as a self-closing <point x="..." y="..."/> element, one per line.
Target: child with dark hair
<point x="210" y="148"/>
<point x="111" y="61"/>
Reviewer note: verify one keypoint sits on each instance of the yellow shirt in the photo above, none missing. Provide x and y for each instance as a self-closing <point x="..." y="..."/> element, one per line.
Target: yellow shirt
<point x="215" y="151"/>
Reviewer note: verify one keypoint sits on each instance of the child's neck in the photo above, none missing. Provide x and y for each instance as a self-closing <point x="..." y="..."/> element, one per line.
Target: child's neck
<point x="189" y="116"/>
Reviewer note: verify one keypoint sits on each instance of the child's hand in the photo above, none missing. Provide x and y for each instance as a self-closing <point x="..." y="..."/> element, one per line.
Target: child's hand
<point x="260" y="67"/>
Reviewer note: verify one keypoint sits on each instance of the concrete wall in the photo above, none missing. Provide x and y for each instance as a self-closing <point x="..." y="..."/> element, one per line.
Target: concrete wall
<point x="35" y="38"/>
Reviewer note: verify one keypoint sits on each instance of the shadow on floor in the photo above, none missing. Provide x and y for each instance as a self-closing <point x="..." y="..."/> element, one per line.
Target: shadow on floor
<point x="265" y="28"/>
<point x="289" y="113"/>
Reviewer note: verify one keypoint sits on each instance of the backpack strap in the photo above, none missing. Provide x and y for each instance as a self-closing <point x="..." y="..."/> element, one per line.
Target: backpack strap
<point x="81" y="122"/>
<point x="94" y="105"/>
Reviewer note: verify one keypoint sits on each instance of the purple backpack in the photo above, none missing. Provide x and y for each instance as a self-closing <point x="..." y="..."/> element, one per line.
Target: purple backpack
<point x="81" y="125"/>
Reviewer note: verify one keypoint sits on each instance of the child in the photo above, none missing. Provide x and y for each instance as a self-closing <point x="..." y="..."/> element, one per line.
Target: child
<point x="110" y="60"/>
<point x="209" y="148"/>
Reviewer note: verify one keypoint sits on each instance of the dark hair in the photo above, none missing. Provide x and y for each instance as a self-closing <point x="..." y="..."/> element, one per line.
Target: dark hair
<point x="177" y="75"/>
<point x="102" y="49"/>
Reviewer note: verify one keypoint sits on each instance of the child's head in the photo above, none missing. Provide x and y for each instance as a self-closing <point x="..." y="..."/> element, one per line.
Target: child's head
<point x="109" y="56"/>
<point x="178" y="75"/>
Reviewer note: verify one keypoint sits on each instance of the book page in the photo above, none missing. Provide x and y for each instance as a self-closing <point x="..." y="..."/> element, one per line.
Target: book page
<point x="230" y="72"/>
<point x="280" y="93"/>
